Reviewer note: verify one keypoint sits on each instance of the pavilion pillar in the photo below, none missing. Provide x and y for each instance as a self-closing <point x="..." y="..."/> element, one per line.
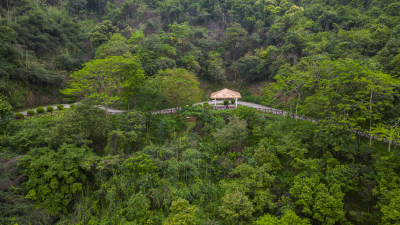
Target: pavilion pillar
<point x="215" y="102"/>
<point x="235" y="102"/>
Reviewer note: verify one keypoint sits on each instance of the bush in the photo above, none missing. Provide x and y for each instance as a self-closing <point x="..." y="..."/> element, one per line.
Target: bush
<point x="19" y="115"/>
<point x="49" y="109"/>
<point x="236" y="208"/>
<point x="249" y="114"/>
<point x="72" y="106"/>
<point x="6" y="114"/>
<point x="226" y="102"/>
<point x="206" y="105"/>
<point x="232" y="134"/>
<point x="40" y="110"/>
<point x="233" y="101"/>
<point x="43" y="166"/>
<point x="191" y="110"/>
<point x="60" y="107"/>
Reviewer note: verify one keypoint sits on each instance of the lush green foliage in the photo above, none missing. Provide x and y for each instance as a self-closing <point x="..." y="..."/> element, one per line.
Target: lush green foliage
<point x="37" y="43"/>
<point x="6" y="114"/>
<point x="169" y="88"/>
<point x="336" y="61"/>
<point x="18" y="115"/>
<point x="103" y="79"/>
<point x="289" y="217"/>
<point x="55" y="176"/>
<point x="233" y="167"/>
<point x="232" y="134"/>
<point x="344" y="92"/>
<point x="178" y="87"/>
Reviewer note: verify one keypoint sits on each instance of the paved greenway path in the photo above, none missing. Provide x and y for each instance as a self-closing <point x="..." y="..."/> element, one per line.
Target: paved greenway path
<point x="267" y="109"/>
<point x="25" y="112"/>
<point x="260" y="108"/>
<point x="66" y="106"/>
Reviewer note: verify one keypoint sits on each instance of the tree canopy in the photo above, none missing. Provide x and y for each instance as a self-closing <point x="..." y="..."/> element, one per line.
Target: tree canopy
<point x="178" y="87"/>
<point x="106" y="79"/>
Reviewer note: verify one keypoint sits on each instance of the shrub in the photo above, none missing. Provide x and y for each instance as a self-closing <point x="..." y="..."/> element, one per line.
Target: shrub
<point x="60" y="107"/>
<point x="19" y="115"/>
<point x="232" y="134"/>
<point x="40" y="110"/>
<point x="30" y="112"/>
<point x="249" y="114"/>
<point x="236" y="208"/>
<point x="233" y="101"/>
<point x="206" y="105"/>
<point x="72" y="106"/>
<point x="49" y="109"/>
<point x="191" y="110"/>
<point x="226" y="102"/>
<point x="6" y="114"/>
<point x="182" y="213"/>
<point x="43" y="166"/>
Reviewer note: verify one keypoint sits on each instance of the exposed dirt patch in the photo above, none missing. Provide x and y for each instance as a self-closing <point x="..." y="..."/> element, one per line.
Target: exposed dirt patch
<point x="33" y="99"/>
<point x="258" y="88"/>
<point x="11" y="174"/>
<point x="14" y="183"/>
<point x="9" y="164"/>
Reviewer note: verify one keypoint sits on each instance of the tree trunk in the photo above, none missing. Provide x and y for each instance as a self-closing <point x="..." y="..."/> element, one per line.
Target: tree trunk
<point x="370" y="137"/>
<point x="370" y="119"/>
<point x="390" y="140"/>
<point x="297" y="104"/>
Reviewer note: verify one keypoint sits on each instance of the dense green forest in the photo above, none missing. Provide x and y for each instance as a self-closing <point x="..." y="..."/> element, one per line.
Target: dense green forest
<point x="337" y="61"/>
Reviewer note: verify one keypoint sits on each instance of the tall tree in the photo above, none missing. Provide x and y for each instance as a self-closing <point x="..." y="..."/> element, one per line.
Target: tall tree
<point x="179" y="87"/>
<point x="106" y="79"/>
<point x="349" y="90"/>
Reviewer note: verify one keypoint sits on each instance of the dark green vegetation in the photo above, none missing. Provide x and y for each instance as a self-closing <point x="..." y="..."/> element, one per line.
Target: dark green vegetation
<point x="228" y="167"/>
<point x="241" y="41"/>
<point x="38" y="45"/>
<point x="337" y="61"/>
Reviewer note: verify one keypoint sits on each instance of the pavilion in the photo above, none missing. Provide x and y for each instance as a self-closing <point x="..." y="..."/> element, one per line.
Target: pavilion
<point x="225" y="94"/>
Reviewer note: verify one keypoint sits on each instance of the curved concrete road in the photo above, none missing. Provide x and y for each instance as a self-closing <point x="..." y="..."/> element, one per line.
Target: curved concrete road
<point x="66" y="106"/>
<point x="211" y="103"/>
<point x="249" y="104"/>
<point x="54" y="107"/>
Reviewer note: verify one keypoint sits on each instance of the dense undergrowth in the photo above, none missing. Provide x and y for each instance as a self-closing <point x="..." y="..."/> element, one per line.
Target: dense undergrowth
<point x="194" y="167"/>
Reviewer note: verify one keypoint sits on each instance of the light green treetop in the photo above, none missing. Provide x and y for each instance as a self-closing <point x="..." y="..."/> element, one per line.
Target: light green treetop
<point x="179" y="86"/>
<point x="106" y="79"/>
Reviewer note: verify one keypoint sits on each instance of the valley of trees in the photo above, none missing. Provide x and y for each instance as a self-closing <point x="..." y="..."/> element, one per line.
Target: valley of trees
<point x="337" y="61"/>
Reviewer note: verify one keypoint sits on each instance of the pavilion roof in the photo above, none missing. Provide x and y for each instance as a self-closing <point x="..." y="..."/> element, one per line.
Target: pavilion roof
<point x="225" y="94"/>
